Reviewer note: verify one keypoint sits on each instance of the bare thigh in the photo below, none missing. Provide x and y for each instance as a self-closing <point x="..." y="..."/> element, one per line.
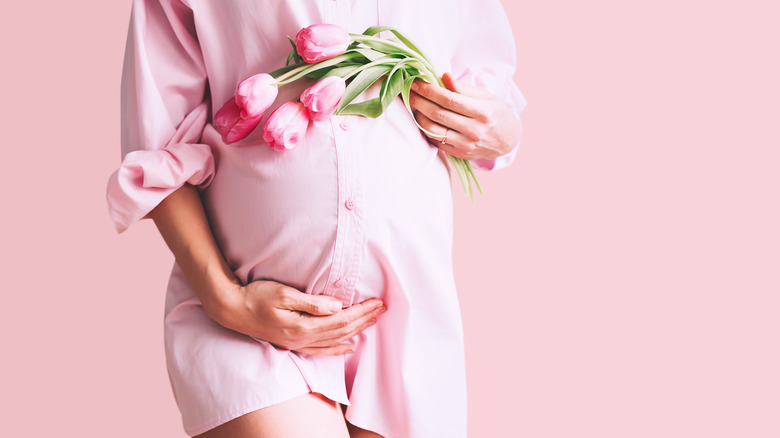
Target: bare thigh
<point x="356" y="432"/>
<point x="310" y="415"/>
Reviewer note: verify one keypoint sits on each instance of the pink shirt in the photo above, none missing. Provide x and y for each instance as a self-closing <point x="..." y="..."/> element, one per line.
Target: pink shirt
<point x="362" y="209"/>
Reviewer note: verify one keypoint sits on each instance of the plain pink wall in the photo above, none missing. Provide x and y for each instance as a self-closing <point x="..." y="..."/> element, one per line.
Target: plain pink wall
<point x="622" y="279"/>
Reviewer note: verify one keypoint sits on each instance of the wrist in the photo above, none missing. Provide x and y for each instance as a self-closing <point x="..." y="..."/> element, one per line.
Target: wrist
<point x="220" y="297"/>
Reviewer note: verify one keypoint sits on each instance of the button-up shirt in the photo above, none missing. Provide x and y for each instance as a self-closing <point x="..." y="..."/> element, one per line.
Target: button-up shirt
<point x="361" y="209"/>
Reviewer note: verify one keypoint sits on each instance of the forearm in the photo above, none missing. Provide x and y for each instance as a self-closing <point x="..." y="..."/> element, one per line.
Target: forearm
<point x="182" y="222"/>
<point x="267" y="310"/>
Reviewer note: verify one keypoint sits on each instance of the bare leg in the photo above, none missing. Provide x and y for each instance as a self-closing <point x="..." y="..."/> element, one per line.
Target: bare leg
<point x="356" y="432"/>
<point x="310" y="415"/>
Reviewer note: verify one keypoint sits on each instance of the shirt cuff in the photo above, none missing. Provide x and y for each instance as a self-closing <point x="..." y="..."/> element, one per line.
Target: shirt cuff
<point x="497" y="163"/>
<point x="146" y="177"/>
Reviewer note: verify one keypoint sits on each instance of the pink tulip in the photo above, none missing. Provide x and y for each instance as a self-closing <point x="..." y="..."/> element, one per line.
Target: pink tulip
<point x="286" y="126"/>
<point x="231" y="125"/>
<point x="322" y="98"/>
<point x="321" y="41"/>
<point x="255" y="94"/>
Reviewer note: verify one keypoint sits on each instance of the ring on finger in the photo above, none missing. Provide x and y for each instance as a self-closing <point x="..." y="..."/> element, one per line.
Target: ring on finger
<point x="444" y="140"/>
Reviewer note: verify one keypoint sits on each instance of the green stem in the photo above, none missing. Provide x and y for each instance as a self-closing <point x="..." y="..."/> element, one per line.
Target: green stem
<point x="428" y="74"/>
<point x="293" y="72"/>
<point x="406" y="50"/>
<point x="380" y="61"/>
<point x="464" y="181"/>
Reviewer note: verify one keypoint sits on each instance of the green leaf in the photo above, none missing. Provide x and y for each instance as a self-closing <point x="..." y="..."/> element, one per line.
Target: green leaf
<point x="391" y="87"/>
<point x="412" y="71"/>
<point x="336" y="70"/>
<point x="319" y="65"/>
<point x="402" y="68"/>
<point x="373" y="30"/>
<point x="360" y="83"/>
<point x="342" y="71"/>
<point x="386" y="60"/>
<point x="280" y="71"/>
<point x="370" y="108"/>
<point x="405" y="90"/>
<point x="293" y="56"/>
<point x="386" y="48"/>
<point x="317" y="74"/>
<point x="369" y="54"/>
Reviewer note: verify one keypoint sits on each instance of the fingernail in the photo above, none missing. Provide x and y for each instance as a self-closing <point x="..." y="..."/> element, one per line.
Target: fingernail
<point x="415" y="86"/>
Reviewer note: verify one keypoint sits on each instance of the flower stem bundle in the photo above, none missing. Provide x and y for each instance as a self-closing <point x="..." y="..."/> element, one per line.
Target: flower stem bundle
<point x="345" y="66"/>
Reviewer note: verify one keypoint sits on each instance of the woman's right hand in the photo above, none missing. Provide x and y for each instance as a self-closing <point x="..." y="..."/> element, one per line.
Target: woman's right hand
<point x="273" y="312"/>
<point x="294" y="320"/>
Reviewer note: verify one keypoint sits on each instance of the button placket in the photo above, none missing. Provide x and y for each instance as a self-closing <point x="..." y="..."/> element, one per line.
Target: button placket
<point x="337" y="12"/>
<point x="350" y="233"/>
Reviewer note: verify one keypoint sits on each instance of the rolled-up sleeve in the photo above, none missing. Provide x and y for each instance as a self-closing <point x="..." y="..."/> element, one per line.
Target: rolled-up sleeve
<point x="165" y="108"/>
<point x="485" y="56"/>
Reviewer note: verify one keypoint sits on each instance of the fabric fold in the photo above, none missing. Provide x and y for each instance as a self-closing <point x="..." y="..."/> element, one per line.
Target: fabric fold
<point x="485" y="34"/>
<point x="146" y="177"/>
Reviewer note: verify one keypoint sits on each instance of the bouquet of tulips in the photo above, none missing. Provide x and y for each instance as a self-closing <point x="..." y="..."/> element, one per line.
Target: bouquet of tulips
<point x="345" y="66"/>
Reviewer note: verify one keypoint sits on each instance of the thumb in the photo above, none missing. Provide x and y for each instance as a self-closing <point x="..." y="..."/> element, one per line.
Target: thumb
<point x="464" y="88"/>
<point x="319" y="305"/>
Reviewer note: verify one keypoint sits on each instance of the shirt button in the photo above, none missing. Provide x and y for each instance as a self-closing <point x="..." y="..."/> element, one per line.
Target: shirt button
<point x="341" y="283"/>
<point x="344" y="125"/>
<point x="350" y="204"/>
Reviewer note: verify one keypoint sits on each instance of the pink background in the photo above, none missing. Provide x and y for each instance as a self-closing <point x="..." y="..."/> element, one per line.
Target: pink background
<point x="622" y="279"/>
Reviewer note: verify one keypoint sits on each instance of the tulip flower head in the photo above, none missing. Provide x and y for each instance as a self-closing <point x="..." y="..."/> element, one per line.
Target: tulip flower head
<point x="322" y="98"/>
<point x="286" y="126"/>
<point x="319" y="42"/>
<point x="346" y="65"/>
<point x="231" y="125"/>
<point x="255" y="94"/>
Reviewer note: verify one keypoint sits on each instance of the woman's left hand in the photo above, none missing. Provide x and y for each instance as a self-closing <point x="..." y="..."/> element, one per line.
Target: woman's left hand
<point x="474" y="123"/>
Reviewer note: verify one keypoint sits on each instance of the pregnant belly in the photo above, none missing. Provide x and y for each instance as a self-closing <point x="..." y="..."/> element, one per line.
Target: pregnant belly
<point x="328" y="209"/>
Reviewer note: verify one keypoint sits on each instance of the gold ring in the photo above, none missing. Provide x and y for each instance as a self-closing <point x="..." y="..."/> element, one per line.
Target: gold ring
<point x="444" y="140"/>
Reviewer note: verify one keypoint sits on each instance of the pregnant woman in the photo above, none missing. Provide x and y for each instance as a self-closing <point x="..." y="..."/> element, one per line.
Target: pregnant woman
<point x="313" y="292"/>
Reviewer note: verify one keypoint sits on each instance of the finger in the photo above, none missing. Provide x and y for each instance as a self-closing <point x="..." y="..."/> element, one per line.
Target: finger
<point x="321" y="328"/>
<point x="355" y="330"/>
<point x="456" y="102"/>
<point x="464" y="88"/>
<point x="455" y="152"/>
<point x="293" y="299"/>
<point x="338" y="350"/>
<point x="441" y="115"/>
<point x="453" y="137"/>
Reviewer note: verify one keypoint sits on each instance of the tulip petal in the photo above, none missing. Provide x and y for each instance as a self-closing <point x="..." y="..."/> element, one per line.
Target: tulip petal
<point x="319" y="42"/>
<point x="286" y="126"/>
<point x="322" y="98"/>
<point x="231" y="126"/>
<point x="255" y="94"/>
